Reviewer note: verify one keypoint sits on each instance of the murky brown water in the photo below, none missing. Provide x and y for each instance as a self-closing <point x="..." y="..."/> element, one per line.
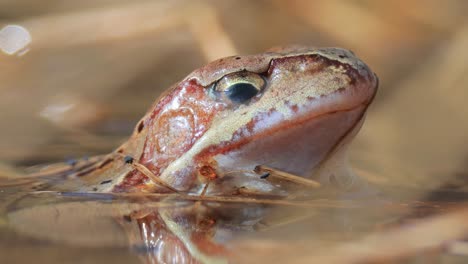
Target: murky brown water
<point x="52" y="227"/>
<point x="80" y="88"/>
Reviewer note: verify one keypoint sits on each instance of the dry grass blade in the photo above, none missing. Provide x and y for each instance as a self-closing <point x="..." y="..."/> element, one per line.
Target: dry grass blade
<point x="153" y="177"/>
<point x="145" y="171"/>
<point x="64" y="169"/>
<point x="274" y="173"/>
<point x="316" y="203"/>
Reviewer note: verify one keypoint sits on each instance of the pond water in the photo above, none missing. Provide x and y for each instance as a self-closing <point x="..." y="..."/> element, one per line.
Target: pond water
<point x="67" y="227"/>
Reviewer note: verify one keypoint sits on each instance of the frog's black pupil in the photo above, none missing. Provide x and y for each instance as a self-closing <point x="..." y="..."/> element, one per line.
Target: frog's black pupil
<point x="241" y="92"/>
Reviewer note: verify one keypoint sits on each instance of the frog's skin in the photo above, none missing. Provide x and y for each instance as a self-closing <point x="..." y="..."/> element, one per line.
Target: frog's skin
<point x="311" y="106"/>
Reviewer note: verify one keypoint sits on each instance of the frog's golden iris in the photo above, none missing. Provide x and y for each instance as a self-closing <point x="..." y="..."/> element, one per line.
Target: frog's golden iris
<point x="238" y="87"/>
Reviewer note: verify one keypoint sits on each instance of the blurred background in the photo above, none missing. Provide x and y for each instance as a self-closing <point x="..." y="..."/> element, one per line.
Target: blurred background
<point x="77" y="75"/>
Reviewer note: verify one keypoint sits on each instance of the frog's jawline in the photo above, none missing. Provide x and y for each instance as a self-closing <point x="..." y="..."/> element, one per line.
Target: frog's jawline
<point x="235" y="157"/>
<point x="358" y="91"/>
<point x="357" y="81"/>
<point x="286" y="146"/>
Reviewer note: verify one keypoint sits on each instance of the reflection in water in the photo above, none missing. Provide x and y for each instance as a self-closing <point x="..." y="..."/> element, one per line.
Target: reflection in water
<point x="169" y="229"/>
<point x="158" y="230"/>
<point x="190" y="233"/>
<point x="173" y="231"/>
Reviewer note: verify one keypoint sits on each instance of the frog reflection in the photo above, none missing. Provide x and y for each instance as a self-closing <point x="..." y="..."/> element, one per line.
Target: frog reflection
<point x="189" y="232"/>
<point x="170" y="229"/>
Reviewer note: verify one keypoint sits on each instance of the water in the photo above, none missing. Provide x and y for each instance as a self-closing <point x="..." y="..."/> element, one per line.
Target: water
<point x="52" y="227"/>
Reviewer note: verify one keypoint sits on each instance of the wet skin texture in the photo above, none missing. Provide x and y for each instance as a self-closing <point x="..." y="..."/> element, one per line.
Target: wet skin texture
<point x="294" y="109"/>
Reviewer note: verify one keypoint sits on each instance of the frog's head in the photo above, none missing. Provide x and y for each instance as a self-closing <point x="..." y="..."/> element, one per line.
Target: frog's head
<point x="287" y="108"/>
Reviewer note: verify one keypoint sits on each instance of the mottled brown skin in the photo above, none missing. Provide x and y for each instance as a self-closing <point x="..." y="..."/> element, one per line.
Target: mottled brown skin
<point x="172" y="132"/>
<point x="313" y="97"/>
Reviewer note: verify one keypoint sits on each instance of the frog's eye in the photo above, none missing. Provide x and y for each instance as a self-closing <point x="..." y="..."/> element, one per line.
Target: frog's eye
<point x="239" y="87"/>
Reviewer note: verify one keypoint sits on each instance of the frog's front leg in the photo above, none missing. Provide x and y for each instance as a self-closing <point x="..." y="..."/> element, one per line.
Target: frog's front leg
<point x="263" y="181"/>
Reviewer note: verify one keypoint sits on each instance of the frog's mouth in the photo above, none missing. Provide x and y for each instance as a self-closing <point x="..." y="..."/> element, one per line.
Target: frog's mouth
<point x="296" y="145"/>
<point x="298" y="128"/>
<point x="308" y="107"/>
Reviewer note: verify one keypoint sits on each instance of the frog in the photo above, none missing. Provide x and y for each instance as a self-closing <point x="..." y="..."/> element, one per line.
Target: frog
<point x="292" y="109"/>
